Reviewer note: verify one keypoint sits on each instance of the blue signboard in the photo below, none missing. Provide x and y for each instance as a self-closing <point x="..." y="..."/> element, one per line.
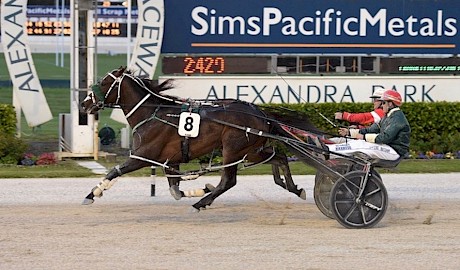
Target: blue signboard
<point x="312" y="26"/>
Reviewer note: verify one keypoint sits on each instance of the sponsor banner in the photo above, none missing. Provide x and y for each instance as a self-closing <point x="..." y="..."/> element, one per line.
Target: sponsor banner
<point x="313" y="26"/>
<point x="20" y="64"/>
<point x="149" y="37"/>
<point x="276" y="89"/>
<point x="147" y="45"/>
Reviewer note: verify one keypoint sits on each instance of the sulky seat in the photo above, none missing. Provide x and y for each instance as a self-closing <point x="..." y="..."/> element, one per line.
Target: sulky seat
<point x="381" y="163"/>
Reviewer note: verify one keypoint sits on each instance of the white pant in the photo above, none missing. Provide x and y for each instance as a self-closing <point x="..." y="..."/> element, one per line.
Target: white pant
<point x="373" y="150"/>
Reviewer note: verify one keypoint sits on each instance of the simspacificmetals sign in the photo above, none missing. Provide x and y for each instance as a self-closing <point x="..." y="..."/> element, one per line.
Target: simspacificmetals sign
<point x="312" y="26"/>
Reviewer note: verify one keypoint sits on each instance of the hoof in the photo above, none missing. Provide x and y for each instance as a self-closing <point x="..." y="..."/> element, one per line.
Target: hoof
<point x="194" y="210"/>
<point x="303" y="194"/>
<point x="87" y="201"/>
<point x="210" y="187"/>
<point x="175" y="192"/>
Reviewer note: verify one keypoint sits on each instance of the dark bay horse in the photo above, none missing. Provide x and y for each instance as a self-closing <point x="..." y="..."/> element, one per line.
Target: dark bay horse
<point x="235" y="127"/>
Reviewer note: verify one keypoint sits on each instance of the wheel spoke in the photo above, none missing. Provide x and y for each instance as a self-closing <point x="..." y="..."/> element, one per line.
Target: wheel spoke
<point x="345" y="201"/>
<point x="372" y="192"/>
<point x="372" y="206"/>
<point x="352" y="183"/>
<point x="361" y="209"/>
<point x="349" y="189"/>
<point x="352" y="209"/>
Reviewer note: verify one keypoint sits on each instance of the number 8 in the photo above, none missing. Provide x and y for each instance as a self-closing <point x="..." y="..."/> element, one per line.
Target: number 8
<point x="188" y="123"/>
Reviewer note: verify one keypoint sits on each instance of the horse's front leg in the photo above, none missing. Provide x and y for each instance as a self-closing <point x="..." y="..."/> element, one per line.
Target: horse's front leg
<point x="174" y="182"/>
<point x="108" y="181"/>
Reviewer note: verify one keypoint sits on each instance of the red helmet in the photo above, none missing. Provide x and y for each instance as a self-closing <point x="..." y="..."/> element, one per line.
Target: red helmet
<point x="393" y="96"/>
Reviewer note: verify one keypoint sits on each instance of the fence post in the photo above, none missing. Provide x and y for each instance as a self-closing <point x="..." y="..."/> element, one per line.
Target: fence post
<point x="153" y="177"/>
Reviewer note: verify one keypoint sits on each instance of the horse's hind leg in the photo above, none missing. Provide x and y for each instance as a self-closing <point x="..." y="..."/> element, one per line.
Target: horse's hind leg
<point x="280" y="162"/>
<point x="277" y="177"/>
<point x="177" y="193"/>
<point x="227" y="181"/>
<point x="108" y="181"/>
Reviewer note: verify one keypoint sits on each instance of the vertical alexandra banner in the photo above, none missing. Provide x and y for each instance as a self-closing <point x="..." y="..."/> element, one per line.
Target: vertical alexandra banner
<point x="147" y="46"/>
<point x="149" y="37"/>
<point x="18" y="57"/>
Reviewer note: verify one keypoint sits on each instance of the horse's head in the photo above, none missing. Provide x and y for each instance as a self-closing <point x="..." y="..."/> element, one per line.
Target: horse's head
<point x="105" y="92"/>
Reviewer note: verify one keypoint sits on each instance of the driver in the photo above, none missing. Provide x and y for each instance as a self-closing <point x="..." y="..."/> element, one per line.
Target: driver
<point x="365" y="118"/>
<point x="388" y="140"/>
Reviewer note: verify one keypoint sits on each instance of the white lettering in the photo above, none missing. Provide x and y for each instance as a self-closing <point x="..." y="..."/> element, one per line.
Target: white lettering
<point x="203" y="24"/>
<point x="396" y="27"/>
<point x="380" y="17"/>
<point x="302" y="28"/>
<point x="272" y="21"/>
<point x="289" y="28"/>
<point x="450" y="24"/>
<point x="253" y="26"/>
<point x="346" y="26"/>
<point x="327" y="20"/>
<point x="272" y="16"/>
<point x="427" y="27"/>
<point x="410" y="26"/>
<point x="231" y="25"/>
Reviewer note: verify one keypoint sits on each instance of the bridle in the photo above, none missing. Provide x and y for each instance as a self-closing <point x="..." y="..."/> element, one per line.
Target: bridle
<point x="100" y="103"/>
<point x="101" y="97"/>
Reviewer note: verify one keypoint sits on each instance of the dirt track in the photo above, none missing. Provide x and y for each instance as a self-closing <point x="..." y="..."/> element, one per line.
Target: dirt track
<point x="267" y="229"/>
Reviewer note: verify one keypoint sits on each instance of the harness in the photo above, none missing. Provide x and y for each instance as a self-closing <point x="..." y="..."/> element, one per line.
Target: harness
<point x="189" y="106"/>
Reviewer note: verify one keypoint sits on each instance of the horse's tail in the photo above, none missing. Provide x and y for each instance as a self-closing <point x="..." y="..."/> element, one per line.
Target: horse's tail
<point x="294" y="119"/>
<point x="298" y="127"/>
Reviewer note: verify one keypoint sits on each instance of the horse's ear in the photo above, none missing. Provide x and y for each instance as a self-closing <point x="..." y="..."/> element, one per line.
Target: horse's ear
<point x="121" y="69"/>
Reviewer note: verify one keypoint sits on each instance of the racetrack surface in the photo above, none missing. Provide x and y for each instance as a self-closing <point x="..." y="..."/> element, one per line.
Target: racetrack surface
<point x="255" y="225"/>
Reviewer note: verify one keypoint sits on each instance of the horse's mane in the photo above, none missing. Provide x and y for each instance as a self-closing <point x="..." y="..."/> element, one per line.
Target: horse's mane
<point x="153" y="85"/>
<point x="158" y="88"/>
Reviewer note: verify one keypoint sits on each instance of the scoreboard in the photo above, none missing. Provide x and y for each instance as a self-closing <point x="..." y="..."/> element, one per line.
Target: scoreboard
<point x="111" y="21"/>
<point x="216" y="65"/>
<point x="197" y="64"/>
<point x="50" y="28"/>
<point x="417" y="65"/>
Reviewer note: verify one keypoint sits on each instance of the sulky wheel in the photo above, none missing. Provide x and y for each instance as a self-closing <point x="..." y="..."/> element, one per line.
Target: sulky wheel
<point x="353" y="211"/>
<point x="324" y="184"/>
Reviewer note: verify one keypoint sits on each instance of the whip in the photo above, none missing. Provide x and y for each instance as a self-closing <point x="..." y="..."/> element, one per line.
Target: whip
<point x="300" y="97"/>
